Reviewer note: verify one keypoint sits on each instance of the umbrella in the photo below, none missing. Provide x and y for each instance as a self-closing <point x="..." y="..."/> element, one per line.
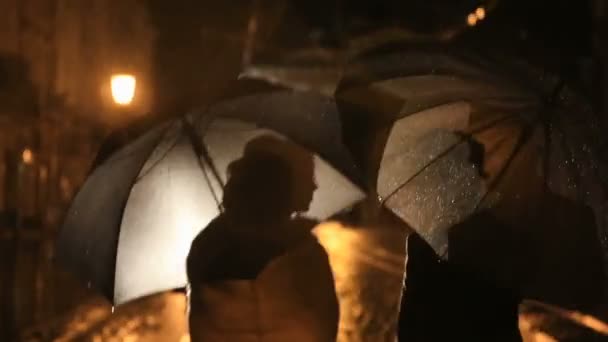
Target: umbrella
<point x="312" y="121"/>
<point x="494" y="163"/>
<point x="129" y="228"/>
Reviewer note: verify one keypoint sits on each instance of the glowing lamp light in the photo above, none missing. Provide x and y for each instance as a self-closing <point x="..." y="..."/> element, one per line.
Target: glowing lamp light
<point x="27" y="156"/>
<point x="123" y="89"/>
<point x="480" y="13"/>
<point x="472" y="19"/>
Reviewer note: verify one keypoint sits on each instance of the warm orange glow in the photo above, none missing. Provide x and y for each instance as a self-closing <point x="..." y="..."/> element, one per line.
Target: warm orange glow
<point x="27" y="156"/>
<point x="123" y="89"/>
<point x="349" y="247"/>
<point x="472" y="19"/>
<point x="480" y="12"/>
<point x="44" y="173"/>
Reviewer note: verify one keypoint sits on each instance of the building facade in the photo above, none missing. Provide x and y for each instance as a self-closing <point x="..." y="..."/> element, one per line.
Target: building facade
<point x="56" y="61"/>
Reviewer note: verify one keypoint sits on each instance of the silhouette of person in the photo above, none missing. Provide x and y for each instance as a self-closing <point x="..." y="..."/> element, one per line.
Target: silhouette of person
<point x="256" y="271"/>
<point x="445" y="302"/>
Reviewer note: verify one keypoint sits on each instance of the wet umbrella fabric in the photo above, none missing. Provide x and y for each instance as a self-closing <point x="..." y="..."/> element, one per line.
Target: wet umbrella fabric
<point x="307" y="118"/>
<point x="129" y="229"/>
<point x="455" y="138"/>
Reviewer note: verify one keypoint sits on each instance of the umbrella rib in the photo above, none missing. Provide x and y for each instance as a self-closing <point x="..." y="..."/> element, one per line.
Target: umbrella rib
<point x="521" y="142"/>
<point x="567" y="147"/>
<point x="446" y="152"/>
<point x="202" y="154"/>
<point x="487" y="101"/>
<point x="564" y="141"/>
<point x="511" y="89"/>
<point x="159" y="159"/>
<point x="489" y="125"/>
<point x="205" y="154"/>
<point x="548" y="141"/>
<point x="216" y="199"/>
<point x="496" y="146"/>
<point x="426" y="166"/>
<point x="547" y="156"/>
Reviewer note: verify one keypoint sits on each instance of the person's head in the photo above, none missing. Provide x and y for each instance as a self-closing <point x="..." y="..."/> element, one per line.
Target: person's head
<point x="273" y="179"/>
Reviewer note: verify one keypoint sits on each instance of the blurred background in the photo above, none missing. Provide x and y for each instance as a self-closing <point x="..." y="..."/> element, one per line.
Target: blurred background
<point x="60" y="97"/>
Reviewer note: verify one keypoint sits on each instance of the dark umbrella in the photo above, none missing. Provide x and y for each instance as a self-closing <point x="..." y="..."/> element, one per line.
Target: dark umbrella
<point x="130" y="226"/>
<point x="493" y="163"/>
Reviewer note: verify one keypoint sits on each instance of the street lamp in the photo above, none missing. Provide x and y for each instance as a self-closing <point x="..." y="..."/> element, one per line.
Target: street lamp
<point x="27" y="156"/>
<point x="123" y="89"/>
<point x="475" y="17"/>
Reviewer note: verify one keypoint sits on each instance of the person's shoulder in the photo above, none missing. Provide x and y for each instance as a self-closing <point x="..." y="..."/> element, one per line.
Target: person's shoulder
<point x="218" y="224"/>
<point x="301" y="232"/>
<point x="221" y="220"/>
<point x="210" y="241"/>
<point x="213" y="231"/>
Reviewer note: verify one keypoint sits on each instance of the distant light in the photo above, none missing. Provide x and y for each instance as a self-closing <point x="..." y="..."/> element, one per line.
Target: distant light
<point x="44" y="173"/>
<point x="472" y="19"/>
<point x="123" y="89"/>
<point x="27" y="156"/>
<point x="480" y="12"/>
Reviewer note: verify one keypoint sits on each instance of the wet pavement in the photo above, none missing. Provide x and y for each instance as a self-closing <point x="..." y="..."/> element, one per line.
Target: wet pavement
<point x="368" y="270"/>
<point x="368" y="267"/>
<point x="539" y="322"/>
<point x="156" y="318"/>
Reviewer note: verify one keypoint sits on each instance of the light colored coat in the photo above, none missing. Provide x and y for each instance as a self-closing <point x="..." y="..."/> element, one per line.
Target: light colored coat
<point x="293" y="299"/>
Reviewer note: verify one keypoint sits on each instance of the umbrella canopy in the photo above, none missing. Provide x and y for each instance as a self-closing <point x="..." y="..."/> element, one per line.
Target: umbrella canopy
<point x="307" y="118"/>
<point x="130" y="227"/>
<point x="492" y="163"/>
